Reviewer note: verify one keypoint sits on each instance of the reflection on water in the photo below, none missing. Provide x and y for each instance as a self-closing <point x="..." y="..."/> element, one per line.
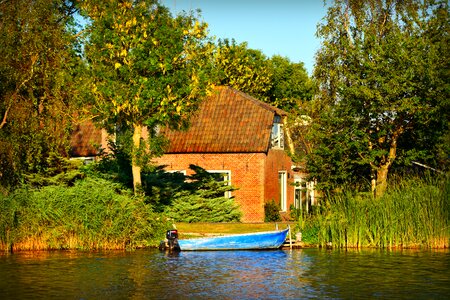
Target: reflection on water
<point x="307" y="273"/>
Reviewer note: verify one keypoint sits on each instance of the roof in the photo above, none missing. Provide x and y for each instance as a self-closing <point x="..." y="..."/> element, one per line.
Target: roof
<point x="228" y="121"/>
<point x="85" y="140"/>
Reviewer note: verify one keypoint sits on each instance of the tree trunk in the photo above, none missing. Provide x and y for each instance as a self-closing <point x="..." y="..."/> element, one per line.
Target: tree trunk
<point x="381" y="184"/>
<point x="136" y="169"/>
<point x="383" y="169"/>
<point x="373" y="182"/>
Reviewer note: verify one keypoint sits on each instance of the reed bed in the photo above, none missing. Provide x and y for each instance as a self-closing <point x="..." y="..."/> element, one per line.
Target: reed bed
<point x="94" y="214"/>
<point x="413" y="214"/>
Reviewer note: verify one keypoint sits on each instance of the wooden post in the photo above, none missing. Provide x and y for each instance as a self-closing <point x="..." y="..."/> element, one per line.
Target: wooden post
<point x="290" y="237"/>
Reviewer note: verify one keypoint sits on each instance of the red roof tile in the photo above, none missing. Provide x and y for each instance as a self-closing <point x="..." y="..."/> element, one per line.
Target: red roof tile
<point x="228" y="121"/>
<point x="85" y="140"/>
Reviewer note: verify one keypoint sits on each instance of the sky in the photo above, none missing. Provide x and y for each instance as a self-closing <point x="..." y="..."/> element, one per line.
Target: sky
<point x="276" y="27"/>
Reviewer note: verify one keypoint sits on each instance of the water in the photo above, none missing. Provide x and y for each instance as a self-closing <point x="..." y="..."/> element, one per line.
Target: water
<point x="297" y="274"/>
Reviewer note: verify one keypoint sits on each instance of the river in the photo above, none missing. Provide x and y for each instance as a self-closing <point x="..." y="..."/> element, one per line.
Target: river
<point x="280" y="274"/>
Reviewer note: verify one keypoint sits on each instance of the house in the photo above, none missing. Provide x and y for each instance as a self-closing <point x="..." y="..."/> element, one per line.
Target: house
<point x="87" y="141"/>
<point x="232" y="134"/>
<point x="243" y="138"/>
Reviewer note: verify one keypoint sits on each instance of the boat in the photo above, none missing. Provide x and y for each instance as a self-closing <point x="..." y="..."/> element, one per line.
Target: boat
<point x="247" y="241"/>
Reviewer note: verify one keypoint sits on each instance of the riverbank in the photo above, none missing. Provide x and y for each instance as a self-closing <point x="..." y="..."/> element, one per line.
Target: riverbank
<point x="96" y="214"/>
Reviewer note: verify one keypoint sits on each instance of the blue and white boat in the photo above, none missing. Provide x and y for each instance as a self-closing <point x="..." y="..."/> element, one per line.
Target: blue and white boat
<point x="248" y="241"/>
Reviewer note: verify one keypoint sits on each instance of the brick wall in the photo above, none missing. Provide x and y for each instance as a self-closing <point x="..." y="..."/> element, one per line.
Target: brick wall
<point x="247" y="174"/>
<point x="278" y="160"/>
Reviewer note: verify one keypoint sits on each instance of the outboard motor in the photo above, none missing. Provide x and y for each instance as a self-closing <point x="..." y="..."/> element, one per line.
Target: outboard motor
<point x="171" y="242"/>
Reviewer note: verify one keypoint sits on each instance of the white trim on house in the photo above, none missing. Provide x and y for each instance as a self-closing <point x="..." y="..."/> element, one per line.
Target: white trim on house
<point x="282" y="180"/>
<point x="176" y="171"/>
<point x="277" y="134"/>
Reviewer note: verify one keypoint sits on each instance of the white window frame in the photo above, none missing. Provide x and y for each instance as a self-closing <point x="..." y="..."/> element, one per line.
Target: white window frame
<point x="177" y="171"/>
<point x="282" y="180"/>
<point x="277" y="134"/>
<point x="301" y="189"/>
<point x="306" y="189"/>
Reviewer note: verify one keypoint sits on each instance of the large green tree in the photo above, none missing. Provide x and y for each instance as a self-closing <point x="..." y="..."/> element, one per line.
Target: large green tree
<point x="290" y="84"/>
<point x="383" y="76"/>
<point x="37" y="62"/>
<point x="276" y="80"/>
<point x="247" y="70"/>
<point x="148" y="68"/>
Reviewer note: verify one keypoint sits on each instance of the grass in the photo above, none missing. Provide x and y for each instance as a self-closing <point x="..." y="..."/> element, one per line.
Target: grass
<point x="413" y="214"/>
<point x="93" y="214"/>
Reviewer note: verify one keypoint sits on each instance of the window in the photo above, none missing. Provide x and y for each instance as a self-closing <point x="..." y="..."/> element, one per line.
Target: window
<point x="282" y="180"/>
<point x="303" y="194"/>
<point x="277" y="135"/>
<point x="225" y="176"/>
<point x="177" y="171"/>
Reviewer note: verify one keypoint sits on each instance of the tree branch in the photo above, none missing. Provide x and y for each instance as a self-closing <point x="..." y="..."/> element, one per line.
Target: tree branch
<point x="16" y="92"/>
<point x="5" y="117"/>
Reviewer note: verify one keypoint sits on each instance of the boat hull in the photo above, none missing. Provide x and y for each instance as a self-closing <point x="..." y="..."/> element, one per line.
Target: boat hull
<point x="250" y="241"/>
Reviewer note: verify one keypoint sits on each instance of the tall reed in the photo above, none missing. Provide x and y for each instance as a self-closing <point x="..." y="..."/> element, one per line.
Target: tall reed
<point x="413" y="213"/>
<point x="94" y="214"/>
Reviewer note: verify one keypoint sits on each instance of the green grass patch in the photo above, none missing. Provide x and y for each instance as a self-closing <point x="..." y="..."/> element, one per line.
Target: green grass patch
<point x="93" y="214"/>
<point x="414" y="213"/>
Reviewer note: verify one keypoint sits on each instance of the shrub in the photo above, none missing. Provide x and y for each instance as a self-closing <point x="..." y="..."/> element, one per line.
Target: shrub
<point x="271" y="212"/>
<point x="93" y="214"/>
<point x="203" y="199"/>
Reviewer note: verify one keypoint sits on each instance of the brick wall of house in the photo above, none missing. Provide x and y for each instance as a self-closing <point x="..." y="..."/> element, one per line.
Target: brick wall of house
<point x="278" y="160"/>
<point x="247" y="174"/>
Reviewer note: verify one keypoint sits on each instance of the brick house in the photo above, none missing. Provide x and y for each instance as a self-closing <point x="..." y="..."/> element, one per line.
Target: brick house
<point x="233" y="134"/>
<point x="241" y="137"/>
<point x="87" y="141"/>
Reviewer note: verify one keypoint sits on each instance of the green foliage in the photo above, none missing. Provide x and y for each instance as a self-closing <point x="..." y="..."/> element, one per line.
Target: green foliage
<point x="116" y="164"/>
<point x="93" y="214"/>
<point x="37" y="86"/>
<point x="147" y="68"/>
<point x="295" y="213"/>
<point x="310" y="233"/>
<point x="162" y="187"/>
<point x="204" y="199"/>
<point x="415" y="212"/>
<point x="290" y="84"/>
<point x="244" y="69"/>
<point x="383" y="78"/>
<point x="271" y="212"/>
<point x="277" y="80"/>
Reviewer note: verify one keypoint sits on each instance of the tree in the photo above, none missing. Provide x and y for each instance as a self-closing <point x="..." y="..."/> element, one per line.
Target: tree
<point x="292" y="90"/>
<point x="37" y="89"/>
<point x="202" y="198"/>
<point x="290" y="84"/>
<point x="147" y="68"/>
<point x="244" y="69"/>
<point x="383" y="75"/>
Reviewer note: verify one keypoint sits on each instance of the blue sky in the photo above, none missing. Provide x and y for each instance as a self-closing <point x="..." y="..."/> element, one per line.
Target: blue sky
<point x="283" y="27"/>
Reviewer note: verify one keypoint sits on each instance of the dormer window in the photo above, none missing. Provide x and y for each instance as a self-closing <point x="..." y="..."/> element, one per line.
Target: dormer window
<point x="277" y="136"/>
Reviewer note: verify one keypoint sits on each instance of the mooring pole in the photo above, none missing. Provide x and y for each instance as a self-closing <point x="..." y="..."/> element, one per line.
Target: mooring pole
<point x="290" y="237"/>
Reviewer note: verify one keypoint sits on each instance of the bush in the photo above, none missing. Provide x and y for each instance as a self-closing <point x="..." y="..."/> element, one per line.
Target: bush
<point x="203" y="199"/>
<point x="272" y="212"/>
<point x="93" y="214"/>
